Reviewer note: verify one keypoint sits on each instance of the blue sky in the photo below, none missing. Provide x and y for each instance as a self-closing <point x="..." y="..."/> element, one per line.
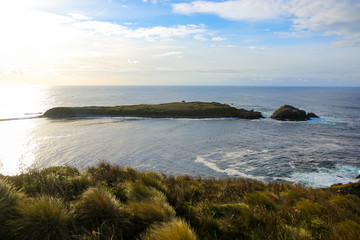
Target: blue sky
<point x="183" y="42"/>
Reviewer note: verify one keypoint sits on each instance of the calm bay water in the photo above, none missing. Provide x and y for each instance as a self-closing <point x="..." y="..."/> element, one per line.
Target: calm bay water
<point x="317" y="153"/>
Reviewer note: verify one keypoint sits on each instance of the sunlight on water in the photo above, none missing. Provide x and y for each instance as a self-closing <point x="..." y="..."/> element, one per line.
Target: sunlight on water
<point x="18" y="101"/>
<point x="18" y="145"/>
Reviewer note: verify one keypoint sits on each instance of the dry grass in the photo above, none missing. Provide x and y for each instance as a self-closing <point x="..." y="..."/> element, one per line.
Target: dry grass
<point x="177" y="229"/>
<point x="43" y="218"/>
<point x="112" y="202"/>
<point x="9" y="200"/>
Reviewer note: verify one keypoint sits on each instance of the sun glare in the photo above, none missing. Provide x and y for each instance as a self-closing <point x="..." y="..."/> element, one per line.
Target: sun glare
<point x="18" y="101"/>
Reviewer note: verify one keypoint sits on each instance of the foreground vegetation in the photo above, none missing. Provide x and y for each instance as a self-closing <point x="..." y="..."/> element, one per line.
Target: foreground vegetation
<point x="174" y="110"/>
<point x="112" y="202"/>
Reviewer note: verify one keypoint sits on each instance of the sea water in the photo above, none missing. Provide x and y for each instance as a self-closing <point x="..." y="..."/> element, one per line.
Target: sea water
<point x="316" y="153"/>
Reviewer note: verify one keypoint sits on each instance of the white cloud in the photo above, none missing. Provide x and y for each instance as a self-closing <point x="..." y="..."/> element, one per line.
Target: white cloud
<point x="253" y="10"/>
<point x="158" y="33"/>
<point x="130" y="23"/>
<point x="166" y="54"/>
<point x="152" y="1"/>
<point x="218" y="39"/>
<point x="255" y="48"/>
<point x="133" y="61"/>
<point x="200" y="37"/>
<point x="326" y="17"/>
<point x="79" y="16"/>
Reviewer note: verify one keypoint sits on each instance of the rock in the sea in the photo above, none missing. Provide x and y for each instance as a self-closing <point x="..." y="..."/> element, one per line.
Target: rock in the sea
<point x="290" y="113"/>
<point x="312" y="115"/>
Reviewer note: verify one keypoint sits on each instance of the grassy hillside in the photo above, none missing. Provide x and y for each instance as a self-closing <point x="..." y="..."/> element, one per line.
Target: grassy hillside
<point x="112" y="202"/>
<point x="175" y="109"/>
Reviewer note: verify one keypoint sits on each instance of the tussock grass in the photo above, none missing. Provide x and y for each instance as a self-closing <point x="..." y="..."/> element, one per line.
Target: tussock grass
<point x="177" y="229"/>
<point x="112" y="202"/>
<point x="141" y="192"/>
<point x="348" y="229"/>
<point x="63" y="182"/>
<point x="43" y="218"/>
<point x="97" y="206"/>
<point x="112" y="175"/>
<point x="155" y="180"/>
<point x="9" y="200"/>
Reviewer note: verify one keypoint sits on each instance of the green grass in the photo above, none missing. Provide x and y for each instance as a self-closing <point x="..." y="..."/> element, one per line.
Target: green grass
<point x="113" y="202"/>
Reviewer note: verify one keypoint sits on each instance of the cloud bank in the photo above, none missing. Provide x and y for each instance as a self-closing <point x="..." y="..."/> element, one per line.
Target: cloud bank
<point x="325" y="17"/>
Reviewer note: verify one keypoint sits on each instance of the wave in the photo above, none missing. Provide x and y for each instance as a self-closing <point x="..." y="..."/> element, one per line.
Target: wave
<point x="325" y="177"/>
<point x="228" y="171"/>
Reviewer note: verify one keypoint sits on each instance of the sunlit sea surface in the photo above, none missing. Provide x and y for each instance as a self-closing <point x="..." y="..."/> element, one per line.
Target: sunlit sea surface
<point x="316" y="153"/>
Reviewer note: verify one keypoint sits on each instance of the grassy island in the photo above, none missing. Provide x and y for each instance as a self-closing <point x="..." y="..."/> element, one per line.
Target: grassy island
<point x="112" y="202"/>
<point x="172" y="110"/>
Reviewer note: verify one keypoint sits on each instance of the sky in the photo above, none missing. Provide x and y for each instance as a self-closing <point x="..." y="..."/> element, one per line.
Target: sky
<point x="180" y="42"/>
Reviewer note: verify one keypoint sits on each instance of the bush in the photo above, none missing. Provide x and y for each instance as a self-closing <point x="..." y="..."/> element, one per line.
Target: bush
<point x="9" y="200"/>
<point x="175" y="230"/>
<point x="43" y="218"/>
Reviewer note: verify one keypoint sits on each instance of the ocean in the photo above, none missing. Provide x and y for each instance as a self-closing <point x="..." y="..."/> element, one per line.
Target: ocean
<point x="316" y="153"/>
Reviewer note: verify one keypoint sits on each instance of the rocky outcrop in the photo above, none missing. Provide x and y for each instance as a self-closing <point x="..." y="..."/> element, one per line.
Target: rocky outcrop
<point x="312" y="115"/>
<point x="290" y="113"/>
<point x="350" y="188"/>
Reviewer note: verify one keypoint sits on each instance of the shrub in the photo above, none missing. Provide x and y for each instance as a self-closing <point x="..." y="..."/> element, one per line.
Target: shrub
<point x="9" y="200"/>
<point x="43" y="218"/>
<point x="175" y="230"/>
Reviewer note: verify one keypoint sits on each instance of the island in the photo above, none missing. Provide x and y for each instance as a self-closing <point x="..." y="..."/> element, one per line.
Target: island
<point x="164" y="110"/>
<point x="290" y="113"/>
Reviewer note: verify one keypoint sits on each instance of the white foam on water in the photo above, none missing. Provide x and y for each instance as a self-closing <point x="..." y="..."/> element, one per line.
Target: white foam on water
<point x="228" y="171"/>
<point x="326" y="177"/>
